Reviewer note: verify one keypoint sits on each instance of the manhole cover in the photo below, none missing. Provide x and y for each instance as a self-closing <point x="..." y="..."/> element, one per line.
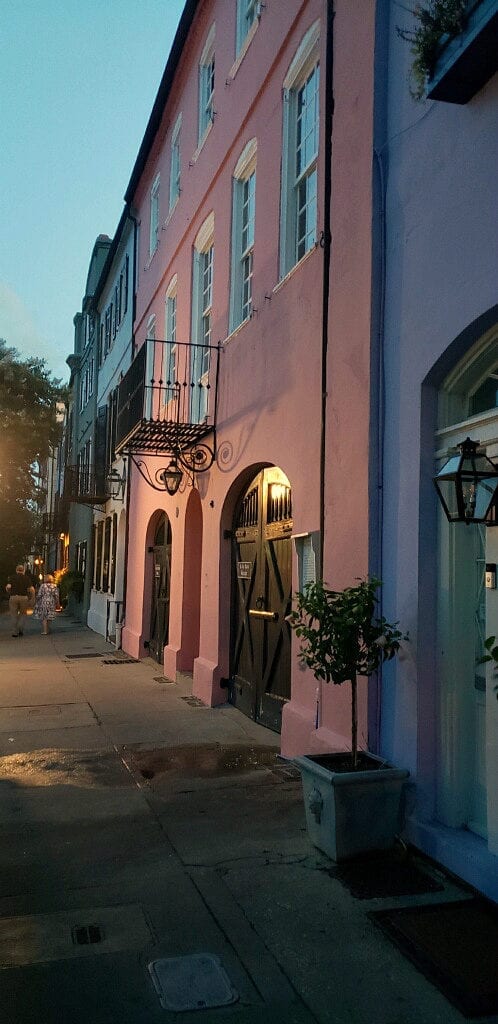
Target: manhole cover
<point x="194" y="982"/>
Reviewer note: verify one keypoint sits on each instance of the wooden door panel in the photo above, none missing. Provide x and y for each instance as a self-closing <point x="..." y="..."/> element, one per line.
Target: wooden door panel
<point x="261" y="596"/>
<point x="161" y="587"/>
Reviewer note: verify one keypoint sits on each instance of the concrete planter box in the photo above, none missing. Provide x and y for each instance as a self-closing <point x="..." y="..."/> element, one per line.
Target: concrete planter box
<point x="349" y="813"/>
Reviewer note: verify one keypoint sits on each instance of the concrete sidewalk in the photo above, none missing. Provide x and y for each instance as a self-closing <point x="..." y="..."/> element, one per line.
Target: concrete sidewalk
<point x="136" y="825"/>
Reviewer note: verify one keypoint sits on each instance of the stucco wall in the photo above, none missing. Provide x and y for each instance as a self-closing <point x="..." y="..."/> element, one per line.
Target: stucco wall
<point x="440" y="164"/>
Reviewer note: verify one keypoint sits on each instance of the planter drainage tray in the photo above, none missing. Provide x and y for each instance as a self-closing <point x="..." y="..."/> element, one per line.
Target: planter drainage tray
<point x="455" y="945"/>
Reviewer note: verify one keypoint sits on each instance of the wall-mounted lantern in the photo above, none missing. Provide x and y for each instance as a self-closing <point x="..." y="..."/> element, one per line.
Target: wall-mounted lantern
<point x="197" y="459"/>
<point x="116" y="483"/>
<point x="172" y="477"/>
<point x="467" y="485"/>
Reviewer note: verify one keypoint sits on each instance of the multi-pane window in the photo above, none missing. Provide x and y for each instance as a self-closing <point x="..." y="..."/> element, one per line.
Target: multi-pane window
<point x="149" y="367"/>
<point x="174" y="177"/>
<point x="170" y="367"/>
<point x="242" y="255"/>
<point x="84" y="468"/>
<point x="154" y="217"/>
<point x="202" y="314"/>
<point x="248" y="198"/>
<point x="206" y="260"/>
<point x="206" y="86"/>
<point x="247" y="13"/>
<point x="306" y="114"/>
<point x="298" y="217"/>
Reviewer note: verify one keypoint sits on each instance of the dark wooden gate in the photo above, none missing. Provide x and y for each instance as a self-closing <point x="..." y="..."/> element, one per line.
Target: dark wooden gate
<point x="261" y="599"/>
<point x="161" y="576"/>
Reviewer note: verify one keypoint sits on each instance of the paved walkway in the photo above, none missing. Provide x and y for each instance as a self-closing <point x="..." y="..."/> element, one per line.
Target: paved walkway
<point x="137" y="825"/>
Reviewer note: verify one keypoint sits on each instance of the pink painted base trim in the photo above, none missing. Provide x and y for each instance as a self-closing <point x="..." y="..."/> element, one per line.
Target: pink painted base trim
<point x="171" y="666"/>
<point x="132" y="644"/>
<point x="206" y="683"/>
<point x="299" y="735"/>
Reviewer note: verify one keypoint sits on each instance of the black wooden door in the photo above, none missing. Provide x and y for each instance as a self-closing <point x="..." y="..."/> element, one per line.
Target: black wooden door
<point x="261" y="599"/>
<point x="161" y="577"/>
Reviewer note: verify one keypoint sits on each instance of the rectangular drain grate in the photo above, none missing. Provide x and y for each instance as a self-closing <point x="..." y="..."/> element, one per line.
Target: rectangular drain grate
<point x="194" y="702"/>
<point x="87" y="934"/>
<point x="94" y="654"/>
<point x="119" y="661"/>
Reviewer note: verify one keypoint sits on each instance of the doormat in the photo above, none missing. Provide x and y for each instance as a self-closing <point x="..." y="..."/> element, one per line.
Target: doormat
<point x="384" y="875"/>
<point x="455" y="945"/>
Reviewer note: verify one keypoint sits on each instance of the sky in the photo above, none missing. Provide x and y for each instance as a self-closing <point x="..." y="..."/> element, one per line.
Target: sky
<point x="78" y="79"/>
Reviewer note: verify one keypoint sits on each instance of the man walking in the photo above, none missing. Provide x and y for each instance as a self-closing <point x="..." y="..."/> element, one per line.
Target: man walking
<point x="20" y="589"/>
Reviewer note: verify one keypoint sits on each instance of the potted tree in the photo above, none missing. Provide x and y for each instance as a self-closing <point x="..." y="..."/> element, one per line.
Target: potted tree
<point x="353" y="798"/>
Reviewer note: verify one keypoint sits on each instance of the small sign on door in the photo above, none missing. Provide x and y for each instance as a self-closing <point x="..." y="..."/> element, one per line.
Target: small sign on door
<point x="244" y="570"/>
<point x="157" y="570"/>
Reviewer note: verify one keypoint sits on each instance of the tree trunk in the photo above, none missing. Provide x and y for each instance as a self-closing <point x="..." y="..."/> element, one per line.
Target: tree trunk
<point x="354" y="721"/>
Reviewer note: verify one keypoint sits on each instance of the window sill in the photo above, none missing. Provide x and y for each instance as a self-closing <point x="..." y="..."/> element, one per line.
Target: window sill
<point x="236" y="330"/>
<point x="296" y="267"/>
<point x="467" y="61"/>
<point x="170" y="213"/>
<point x="200" y="147"/>
<point x="151" y="257"/>
<point x="243" y="50"/>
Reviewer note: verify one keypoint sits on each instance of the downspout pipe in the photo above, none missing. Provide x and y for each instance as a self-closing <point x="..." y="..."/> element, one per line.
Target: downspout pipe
<point x="129" y="461"/>
<point x="377" y="366"/>
<point x="326" y="242"/>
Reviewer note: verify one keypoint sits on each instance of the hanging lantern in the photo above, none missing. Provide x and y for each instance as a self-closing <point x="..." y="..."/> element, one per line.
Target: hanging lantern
<point x="172" y="477"/>
<point x="467" y="485"/>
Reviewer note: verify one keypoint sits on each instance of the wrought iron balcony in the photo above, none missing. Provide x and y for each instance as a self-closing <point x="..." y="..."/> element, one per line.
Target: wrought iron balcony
<point x="167" y="399"/>
<point x="86" y="485"/>
<point x="56" y="521"/>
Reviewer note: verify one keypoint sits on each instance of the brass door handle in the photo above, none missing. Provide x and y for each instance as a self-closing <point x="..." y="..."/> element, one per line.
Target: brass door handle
<point x="271" y="616"/>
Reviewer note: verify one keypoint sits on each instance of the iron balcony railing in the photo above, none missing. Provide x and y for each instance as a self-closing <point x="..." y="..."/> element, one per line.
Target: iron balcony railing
<point x="86" y="485"/>
<point x="167" y="399"/>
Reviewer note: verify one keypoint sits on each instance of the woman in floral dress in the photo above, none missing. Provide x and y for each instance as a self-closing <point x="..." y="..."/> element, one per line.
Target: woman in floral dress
<point x="47" y="601"/>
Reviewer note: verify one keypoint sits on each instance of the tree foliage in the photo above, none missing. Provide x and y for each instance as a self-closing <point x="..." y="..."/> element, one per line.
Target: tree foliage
<point x="28" y="429"/>
<point x="341" y="637"/>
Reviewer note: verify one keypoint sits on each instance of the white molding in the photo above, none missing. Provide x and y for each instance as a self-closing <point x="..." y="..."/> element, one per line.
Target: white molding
<point x="205" y="234"/>
<point x="246" y="163"/>
<point x="172" y="288"/>
<point x="307" y="53"/>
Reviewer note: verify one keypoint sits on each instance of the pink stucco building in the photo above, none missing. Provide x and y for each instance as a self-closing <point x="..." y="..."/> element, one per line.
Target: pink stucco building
<point x="252" y="342"/>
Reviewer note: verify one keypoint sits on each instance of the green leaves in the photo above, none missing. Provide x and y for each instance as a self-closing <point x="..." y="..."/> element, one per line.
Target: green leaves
<point x="434" y="19"/>
<point x="492" y="655"/>
<point x="28" y="428"/>
<point x="340" y="637"/>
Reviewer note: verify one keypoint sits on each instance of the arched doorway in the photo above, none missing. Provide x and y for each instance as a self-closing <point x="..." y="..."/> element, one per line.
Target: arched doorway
<point x="160" y="596"/>
<point x="261" y="598"/>
<point x="467" y="605"/>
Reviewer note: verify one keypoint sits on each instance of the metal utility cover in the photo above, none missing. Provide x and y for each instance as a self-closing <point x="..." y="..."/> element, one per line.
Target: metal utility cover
<point x="194" y="982"/>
